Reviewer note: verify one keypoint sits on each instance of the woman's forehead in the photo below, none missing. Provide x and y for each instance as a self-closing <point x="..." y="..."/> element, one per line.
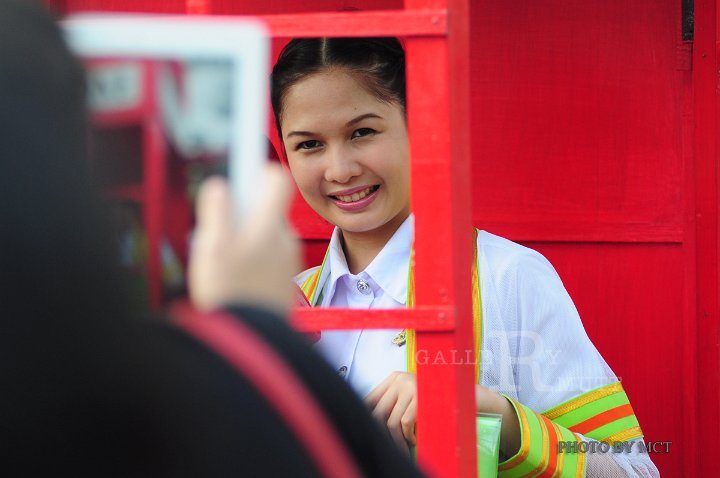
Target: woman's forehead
<point x="327" y="97"/>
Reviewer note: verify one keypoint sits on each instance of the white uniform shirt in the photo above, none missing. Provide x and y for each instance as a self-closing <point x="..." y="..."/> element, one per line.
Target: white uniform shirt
<point x="366" y="357"/>
<point x="534" y="346"/>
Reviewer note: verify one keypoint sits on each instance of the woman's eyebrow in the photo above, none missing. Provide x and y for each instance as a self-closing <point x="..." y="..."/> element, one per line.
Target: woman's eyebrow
<point x="349" y="123"/>
<point x="298" y="133"/>
<point x="362" y="117"/>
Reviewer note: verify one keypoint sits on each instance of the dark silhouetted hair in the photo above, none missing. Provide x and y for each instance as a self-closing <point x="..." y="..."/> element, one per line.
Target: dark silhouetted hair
<point x="56" y="250"/>
<point x="378" y="63"/>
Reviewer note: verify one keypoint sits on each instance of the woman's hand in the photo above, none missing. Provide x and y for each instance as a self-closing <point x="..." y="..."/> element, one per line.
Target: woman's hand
<point x="252" y="262"/>
<point x="488" y="401"/>
<point x="394" y="403"/>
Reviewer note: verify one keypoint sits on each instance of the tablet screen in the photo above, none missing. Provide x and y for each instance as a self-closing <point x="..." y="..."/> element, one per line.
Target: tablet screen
<point x="171" y="100"/>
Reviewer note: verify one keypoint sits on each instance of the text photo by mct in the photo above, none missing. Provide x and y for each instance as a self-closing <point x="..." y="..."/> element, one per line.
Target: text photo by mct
<point x="619" y="447"/>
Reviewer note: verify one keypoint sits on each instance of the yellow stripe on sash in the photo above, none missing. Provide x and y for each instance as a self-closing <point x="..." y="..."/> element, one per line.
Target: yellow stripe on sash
<point x="581" y="457"/>
<point x="410" y="303"/>
<point x="477" y="311"/>
<point x="310" y="286"/>
<point x="625" y="435"/>
<point x="583" y="399"/>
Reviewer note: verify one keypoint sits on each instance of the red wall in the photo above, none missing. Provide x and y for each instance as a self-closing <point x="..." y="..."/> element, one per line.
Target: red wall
<point x="578" y="143"/>
<point x="582" y="144"/>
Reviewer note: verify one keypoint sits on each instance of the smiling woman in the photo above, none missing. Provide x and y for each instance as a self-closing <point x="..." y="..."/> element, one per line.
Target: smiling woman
<point x="340" y="109"/>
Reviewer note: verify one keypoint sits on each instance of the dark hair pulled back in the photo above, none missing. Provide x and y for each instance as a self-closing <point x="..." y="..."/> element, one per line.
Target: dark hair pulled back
<point x="378" y="63"/>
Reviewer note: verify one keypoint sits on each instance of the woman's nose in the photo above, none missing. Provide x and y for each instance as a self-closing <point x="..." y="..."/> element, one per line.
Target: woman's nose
<point x="341" y="165"/>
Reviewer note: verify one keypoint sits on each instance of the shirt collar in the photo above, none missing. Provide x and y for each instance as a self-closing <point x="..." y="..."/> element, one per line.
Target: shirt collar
<point x="389" y="268"/>
<point x="337" y="265"/>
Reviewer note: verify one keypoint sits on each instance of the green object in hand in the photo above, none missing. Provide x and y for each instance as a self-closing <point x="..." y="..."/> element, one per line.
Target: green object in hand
<point x="487" y="426"/>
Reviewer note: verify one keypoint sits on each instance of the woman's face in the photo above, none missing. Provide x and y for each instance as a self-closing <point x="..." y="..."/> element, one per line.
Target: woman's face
<point x="348" y="152"/>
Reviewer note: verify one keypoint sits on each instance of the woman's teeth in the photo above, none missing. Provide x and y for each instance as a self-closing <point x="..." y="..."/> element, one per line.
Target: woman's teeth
<point x="357" y="196"/>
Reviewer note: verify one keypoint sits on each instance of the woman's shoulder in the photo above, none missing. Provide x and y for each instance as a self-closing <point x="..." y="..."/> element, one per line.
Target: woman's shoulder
<point x="507" y="265"/>
<point x="499" y="252"/>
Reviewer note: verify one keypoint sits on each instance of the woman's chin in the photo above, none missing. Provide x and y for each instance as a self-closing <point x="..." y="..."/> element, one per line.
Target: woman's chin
<point x="357" y="223"/>
<point x="366" y="225"/>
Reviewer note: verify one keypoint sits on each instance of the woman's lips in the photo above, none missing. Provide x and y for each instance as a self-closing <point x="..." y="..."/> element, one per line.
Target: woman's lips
<point x="356" y="198"/>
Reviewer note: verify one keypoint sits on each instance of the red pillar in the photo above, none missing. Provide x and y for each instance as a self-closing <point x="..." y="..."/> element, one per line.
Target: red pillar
<point x="706" y="108"/>
<point x="438" y="122"/>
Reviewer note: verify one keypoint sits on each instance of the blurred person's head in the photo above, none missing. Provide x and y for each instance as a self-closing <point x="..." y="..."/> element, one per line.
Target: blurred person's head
<point x="60" y="302"/>
<point x="53" y="251"/>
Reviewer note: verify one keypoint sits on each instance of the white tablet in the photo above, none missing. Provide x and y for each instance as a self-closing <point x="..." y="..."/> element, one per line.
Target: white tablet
<point x="210" y="78"/>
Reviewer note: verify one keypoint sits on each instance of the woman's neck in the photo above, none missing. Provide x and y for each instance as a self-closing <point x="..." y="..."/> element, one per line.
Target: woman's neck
<point x="362" y="247"/>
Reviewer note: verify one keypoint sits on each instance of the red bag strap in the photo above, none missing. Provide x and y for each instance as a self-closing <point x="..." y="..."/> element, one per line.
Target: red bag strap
<point x="255" y="360"/>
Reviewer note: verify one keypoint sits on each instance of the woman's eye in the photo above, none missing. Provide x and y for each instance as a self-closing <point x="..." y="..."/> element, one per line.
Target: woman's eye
<point x="359" y="133"/>
<point x="311" y="144"/>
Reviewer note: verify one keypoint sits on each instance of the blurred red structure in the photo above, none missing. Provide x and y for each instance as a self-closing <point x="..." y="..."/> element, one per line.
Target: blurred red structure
<point x="594" y="139"/>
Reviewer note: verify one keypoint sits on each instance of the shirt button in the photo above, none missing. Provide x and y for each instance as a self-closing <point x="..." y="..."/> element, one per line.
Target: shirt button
<point x="363" y="287"/>
<point x="342" y="371"/>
